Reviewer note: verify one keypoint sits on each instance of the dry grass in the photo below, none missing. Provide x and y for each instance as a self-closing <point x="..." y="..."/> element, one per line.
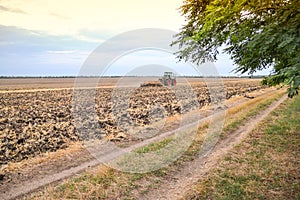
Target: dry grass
<point x="240" y="113"/>
<point x="42" y="158"/>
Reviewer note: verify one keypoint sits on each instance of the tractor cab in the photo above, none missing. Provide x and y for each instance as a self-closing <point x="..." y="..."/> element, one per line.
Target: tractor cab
<point x="168" y="79"/>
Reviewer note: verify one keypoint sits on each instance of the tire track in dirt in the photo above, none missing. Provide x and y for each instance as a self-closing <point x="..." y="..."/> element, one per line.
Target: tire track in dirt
<point x="191" y="173"/>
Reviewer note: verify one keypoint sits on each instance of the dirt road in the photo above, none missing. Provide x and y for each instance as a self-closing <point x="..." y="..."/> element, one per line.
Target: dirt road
<point x="184" y="179"/>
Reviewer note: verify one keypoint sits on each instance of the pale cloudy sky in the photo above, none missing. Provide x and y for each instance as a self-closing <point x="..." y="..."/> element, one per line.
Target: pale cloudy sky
<point x="84" y="19"/>
<point x="54" y="37"/>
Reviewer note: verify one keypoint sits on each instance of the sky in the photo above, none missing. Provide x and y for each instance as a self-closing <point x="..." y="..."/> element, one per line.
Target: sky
<point x="55" y="38"/>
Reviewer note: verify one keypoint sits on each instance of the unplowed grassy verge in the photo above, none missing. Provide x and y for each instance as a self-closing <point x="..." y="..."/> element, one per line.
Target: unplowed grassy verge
<point x="264" y="166"/>
<point x="105" y="183"/>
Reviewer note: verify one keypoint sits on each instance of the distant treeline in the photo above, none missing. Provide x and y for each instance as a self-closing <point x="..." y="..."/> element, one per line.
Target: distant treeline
<point x="42" y="77"/>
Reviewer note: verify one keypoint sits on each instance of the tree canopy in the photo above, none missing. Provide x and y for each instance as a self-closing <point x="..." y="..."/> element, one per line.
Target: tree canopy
<point x="258" y="34"/>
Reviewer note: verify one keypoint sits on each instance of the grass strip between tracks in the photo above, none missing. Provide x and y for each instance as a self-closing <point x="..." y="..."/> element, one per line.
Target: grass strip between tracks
<point x="264" y="166"/>
<point x="105" y="183"/>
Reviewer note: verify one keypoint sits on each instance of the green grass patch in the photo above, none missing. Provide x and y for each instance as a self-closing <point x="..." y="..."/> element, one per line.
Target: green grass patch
<point x="154" y="146"/>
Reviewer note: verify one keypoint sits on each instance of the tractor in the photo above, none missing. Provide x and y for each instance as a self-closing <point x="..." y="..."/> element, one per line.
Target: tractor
<point x="168" y="79"/>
